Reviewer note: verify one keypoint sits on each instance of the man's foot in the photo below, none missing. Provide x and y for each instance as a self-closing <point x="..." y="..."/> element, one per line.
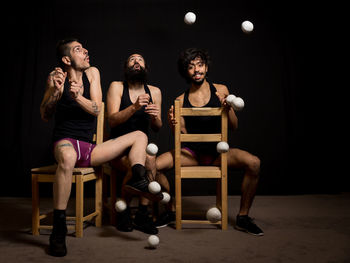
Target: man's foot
<point x="124" y="221"/>
<point x="57" y="246"/>
<point x="139" y="187"/>
<point x="246" y="224"/>
<point x="143" y="222"/>
<point x="166" y="218"/>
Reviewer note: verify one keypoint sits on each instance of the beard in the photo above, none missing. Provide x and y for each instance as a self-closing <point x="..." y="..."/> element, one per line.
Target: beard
<point x="135" y="76"/>
<point x="75" y="66"/>
<point x="197" y="82"/>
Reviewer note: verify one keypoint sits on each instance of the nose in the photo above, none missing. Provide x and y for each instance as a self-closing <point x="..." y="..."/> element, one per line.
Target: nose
<point x="85" y="51"/>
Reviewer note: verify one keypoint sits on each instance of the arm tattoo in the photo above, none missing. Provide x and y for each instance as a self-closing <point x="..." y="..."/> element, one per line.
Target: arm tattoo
<point x="50" y="105"/>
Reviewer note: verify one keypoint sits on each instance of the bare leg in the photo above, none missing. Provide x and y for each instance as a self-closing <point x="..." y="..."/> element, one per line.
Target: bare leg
<point x="113" y="148"/>
<point x="66" y="157"/>
<point x="251" y="164"/>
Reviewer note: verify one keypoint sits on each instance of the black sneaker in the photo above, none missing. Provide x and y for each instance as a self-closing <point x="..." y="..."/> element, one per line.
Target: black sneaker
<point x="139" y="186"/>
<point x="245" y="223"/>
<point x="124" y="221"/>
<point x="166" y="218"/>
<point x="144" y="223"/>
<point x="57" y="247"/>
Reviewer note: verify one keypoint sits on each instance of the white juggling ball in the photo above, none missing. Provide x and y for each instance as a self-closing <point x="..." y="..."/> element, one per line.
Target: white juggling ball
<point x="120" y="205"/>
<point x="238" y="104"/>
<point x="222" y="147"/>
<point x="214" y="215"/>
<point x="229" y="99"/>
<point x="154" y="187"/>
<point x="153" y="241"/>
<point x="247" y="26"/>
<point x="190" y="18"/>
<point x="152" y="149"/>
<point x="166" y="198"/>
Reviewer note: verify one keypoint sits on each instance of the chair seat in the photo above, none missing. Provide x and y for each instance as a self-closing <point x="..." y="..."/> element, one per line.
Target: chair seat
<point x="52" y="169"/>
<point x="200" y="172"/>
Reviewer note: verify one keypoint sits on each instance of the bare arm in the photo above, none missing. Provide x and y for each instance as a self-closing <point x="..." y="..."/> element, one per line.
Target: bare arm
<point x="154" y="110"/>
<point x="114" y="95"/>
<point x="222" y="93"/>
<point x="53" y="92"/>
<point x="92" y="106"/>
<point x="172" y="120"/>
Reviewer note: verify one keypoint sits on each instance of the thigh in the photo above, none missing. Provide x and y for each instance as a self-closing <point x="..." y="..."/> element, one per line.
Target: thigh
<point x="166" y="160"/>
<point x="236" y="158"/>
<point x="65" y="152"/>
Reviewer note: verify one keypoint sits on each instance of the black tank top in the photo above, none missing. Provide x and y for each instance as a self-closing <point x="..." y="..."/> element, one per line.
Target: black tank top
<point x="138" y="121"/>
<point x="71" y="121"/>
<point x="203" y="124"/>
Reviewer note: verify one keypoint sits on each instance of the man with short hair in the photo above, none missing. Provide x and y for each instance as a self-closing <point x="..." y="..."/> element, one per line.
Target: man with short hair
<point x="73" y="96"/>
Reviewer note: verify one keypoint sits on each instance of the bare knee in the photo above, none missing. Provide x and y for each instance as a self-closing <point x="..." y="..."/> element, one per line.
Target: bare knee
<point x="141" y="136"/>
<point x="66" y="160"/>
<point x="253" y="165"/>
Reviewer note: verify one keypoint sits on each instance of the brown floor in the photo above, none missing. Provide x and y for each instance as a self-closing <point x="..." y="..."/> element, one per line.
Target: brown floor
<point x="305" y="228"/>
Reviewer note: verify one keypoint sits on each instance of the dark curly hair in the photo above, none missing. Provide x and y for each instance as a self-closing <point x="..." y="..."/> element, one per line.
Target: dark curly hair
<point x="187" y="56"/>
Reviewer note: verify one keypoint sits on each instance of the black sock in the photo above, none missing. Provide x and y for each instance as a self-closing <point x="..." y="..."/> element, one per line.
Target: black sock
<point x="59" y="221"/>
<point x="138" y="171"/>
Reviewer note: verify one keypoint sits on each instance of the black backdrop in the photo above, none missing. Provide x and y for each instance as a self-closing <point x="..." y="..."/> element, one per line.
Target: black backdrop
<point x="280" y="70"/>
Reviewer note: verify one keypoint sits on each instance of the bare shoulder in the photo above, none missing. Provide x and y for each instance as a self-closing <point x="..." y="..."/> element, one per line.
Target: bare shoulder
<point x="221" y="88"/>
<point x="154" y="90"/>
<point x="92" y="72"/>
<point x="116" y="86"/>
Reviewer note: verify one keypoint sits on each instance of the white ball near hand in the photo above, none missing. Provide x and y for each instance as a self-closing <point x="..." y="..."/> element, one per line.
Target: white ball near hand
<point x="229" y="99"/>
<point x="154" y="187"/>
<point x="166" y="198"/>
<point x="152" y="149"/>
<point x="238" y="104"/>
<point x="213" y="215"/>
<point x="190" y="18"/>
<point x="247" y="27"/>
<point x="153" y="241"/>
<point x="222" y="147"/>
<point x="120" y="205"/>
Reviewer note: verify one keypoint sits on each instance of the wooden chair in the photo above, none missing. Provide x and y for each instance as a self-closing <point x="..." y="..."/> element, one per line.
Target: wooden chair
<point x="46" y="174"/>
<point x="197" y="172"/>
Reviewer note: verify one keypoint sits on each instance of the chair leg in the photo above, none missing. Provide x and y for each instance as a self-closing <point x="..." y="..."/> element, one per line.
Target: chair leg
<point x="79" y="205"/>
<point x="113" y="192"/>
<point x="224" y="215"/>
<point x="35" y="205"/>
<point x="98" y="197"/>
<point x="178" y="200"/>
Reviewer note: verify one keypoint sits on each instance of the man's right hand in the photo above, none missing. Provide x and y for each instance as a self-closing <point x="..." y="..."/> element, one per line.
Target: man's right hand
<point x="58" y="77"/>
<point x="141" y="101"/>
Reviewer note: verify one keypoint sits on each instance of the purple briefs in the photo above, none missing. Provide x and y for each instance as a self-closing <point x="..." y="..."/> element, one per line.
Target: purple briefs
<point x="83" y="150"/>
<point x="203" y="159"/>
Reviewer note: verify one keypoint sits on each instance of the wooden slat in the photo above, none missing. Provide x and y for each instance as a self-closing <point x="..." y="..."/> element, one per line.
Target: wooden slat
<point x="201" y="111"/>
<point x="216" y="137"/>
<point x="200" y="172"/>
<point x="206" y="222"/>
